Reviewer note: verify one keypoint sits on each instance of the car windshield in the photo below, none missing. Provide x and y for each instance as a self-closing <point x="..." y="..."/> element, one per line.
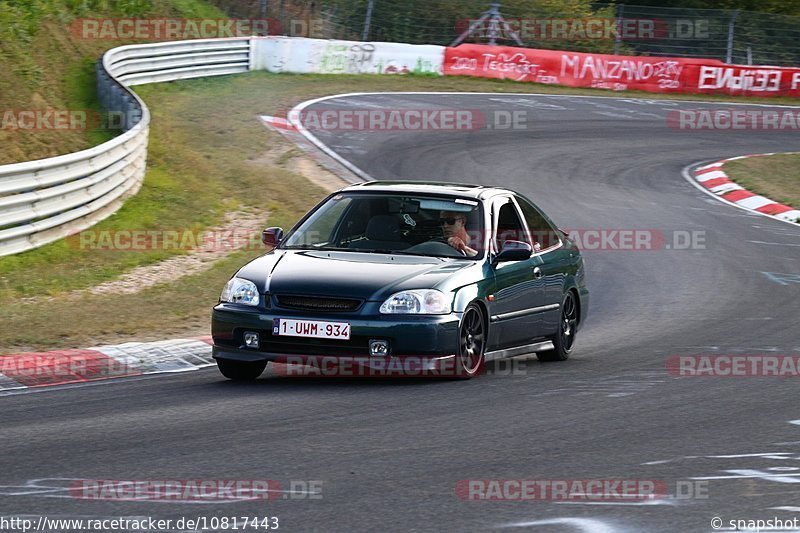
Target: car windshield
<point x="437" y="226"/>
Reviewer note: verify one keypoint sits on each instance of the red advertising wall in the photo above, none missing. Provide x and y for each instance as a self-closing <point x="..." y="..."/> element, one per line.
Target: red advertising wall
<point x="621" y="73"/>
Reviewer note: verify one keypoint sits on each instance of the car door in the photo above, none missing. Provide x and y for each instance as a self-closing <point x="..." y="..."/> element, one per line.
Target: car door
<point x="554" y="262"/>
<point x="518" y="295"/>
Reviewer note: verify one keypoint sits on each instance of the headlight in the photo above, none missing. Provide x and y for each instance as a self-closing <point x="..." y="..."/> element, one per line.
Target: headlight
<point x="240" y="291"/>
<point x="418" y="302"/>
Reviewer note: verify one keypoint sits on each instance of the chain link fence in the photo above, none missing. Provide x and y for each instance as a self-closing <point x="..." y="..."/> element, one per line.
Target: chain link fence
<point x="741" y="37"/>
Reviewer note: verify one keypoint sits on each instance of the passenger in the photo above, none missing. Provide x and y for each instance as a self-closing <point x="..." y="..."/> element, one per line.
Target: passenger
<point x="453" y="226"/>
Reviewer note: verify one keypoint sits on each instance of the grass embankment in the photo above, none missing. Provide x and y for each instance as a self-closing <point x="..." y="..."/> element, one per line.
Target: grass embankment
<point x="206" y="157"/>
<point x="45" y="64"/>
<point x="775" y="176"/>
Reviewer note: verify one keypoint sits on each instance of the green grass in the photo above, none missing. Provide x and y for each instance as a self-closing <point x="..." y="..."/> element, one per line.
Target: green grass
<point x="775" y="176"/>
<point x="44" y="65"/>
<point x="205" y="158"/>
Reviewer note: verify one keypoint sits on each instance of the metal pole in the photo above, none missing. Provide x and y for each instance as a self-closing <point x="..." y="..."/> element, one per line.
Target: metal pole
<point x="731" y="26"/>
<point x="618" y="37"/>
<point x="749" y="55"/>
<point x="495" y="21"/>
<point x="494" y="30"/>
<point x="367" y="20"/>
<point x="262" y="8"/>
<point x="469" y="30"/>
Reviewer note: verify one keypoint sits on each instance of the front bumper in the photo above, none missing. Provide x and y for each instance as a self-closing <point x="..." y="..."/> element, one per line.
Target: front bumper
<point x="416" y="339"/>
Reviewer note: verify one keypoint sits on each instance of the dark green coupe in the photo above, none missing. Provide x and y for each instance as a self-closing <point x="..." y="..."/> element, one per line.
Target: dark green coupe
<point x="430" y="277"/>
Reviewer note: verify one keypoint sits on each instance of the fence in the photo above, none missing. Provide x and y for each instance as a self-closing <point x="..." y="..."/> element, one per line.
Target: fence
<point x="45" y="200"/>
<point x="742" y="37"/>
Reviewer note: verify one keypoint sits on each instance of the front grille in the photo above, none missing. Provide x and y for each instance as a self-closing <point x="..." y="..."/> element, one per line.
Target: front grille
<point x="316" y="303"/>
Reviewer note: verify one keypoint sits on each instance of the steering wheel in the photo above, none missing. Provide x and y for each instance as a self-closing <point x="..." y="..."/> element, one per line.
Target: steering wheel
<point x="435" y="247"/>
<point x="444" y="240"/>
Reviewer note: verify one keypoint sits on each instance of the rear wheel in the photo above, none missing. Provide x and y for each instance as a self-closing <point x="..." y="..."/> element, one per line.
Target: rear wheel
<point x="564" y="339"/>
<point x="241" y="370"/>
<point x="471" y="343"/>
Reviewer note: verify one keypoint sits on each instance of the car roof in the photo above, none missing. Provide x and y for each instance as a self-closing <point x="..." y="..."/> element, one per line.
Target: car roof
<point x="479" y="192"/>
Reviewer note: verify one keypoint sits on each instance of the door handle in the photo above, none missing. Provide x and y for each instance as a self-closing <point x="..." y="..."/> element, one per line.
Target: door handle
<point x="537" y="273"/>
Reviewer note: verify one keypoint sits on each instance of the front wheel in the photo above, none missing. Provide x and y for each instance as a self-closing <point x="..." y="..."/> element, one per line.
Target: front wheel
<point x="241" y="370"/>
<point x="471" y="343"/>
<point x="564" y="339"/>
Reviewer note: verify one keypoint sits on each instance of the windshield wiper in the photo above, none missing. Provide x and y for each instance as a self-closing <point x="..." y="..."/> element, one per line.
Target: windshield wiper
<point x="369" y="251"/>
<point x="312" y="247"/>
<point x="402" y="252"/>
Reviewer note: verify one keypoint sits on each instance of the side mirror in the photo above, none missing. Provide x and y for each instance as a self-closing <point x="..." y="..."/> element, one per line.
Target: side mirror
<point x="513" y="251"/>
<point x="272" y="236"/>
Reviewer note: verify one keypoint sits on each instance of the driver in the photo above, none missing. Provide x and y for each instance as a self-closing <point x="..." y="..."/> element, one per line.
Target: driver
<point x="453" y="223"/>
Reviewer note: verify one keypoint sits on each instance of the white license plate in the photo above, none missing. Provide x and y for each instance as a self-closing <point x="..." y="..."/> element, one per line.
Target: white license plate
<point x="310" y="328"/>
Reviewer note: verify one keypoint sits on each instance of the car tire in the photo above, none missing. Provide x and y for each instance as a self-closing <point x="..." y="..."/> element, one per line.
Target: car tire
<point x="470" y="360"/>
<point x="564" y="339"/>
<point x="241" y="370"/>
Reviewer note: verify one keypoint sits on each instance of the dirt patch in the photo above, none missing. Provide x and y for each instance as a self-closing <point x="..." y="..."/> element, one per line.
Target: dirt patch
<point x="240" y="229"/>
<point x="295" y="160"/>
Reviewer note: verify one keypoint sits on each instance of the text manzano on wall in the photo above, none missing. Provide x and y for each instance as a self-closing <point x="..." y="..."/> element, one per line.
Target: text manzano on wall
<point x="653" y="74"/>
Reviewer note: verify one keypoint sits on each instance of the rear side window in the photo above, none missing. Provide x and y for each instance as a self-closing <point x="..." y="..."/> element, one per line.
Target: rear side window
<point x="542" y="232"/>
<point x="509" y="225"/>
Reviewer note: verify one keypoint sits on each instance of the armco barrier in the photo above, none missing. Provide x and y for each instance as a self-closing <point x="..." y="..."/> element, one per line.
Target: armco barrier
<point x="44" y="200"/>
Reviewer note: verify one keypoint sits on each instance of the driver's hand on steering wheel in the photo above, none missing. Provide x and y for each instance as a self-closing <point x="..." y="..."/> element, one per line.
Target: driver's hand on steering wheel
<point x="459" y="244"/>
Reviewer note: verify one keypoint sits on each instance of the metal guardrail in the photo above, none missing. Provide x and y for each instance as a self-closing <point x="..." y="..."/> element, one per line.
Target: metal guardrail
<point x="45" y="200"/>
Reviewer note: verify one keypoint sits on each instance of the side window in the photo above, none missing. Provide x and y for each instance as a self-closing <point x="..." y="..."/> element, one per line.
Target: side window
<point x="542" y="232"/>
<point x="509" y="225"/>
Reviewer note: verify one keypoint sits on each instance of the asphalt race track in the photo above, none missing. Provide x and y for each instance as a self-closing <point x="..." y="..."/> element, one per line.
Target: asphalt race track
<point x="390" y="453"/>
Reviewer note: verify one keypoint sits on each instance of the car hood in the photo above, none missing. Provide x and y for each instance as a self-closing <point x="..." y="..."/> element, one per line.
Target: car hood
<point x="369" y="276"/>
